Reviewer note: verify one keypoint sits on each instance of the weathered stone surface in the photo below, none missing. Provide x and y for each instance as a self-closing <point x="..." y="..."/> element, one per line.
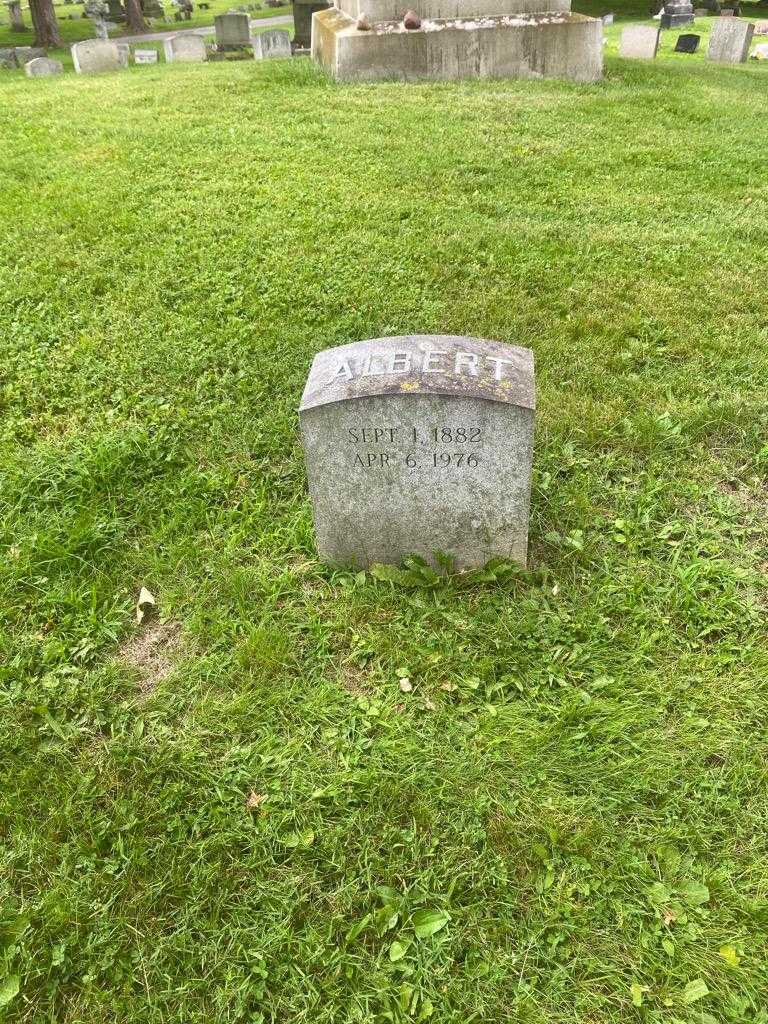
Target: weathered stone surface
<point x="435" y="10"/>
<point x="123" y="52"/>
<point x="419" y="445"/>
<point x="95" y="55"/>
<point x="273" y="43"/>
<point x="639" y="42"/>
<point x="232" y="30"/>
<point x="515" y="46"/>
<point x="186" y="48"/>
<point x="730" y="39"/>
<point x="145" y="56"/>
<point x="302" y="20"/>
<point x="41" y="67"/>
<point x="24" y="54"/>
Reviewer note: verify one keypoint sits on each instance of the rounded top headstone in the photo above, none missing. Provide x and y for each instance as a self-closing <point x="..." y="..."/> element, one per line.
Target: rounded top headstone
<point x="422" y="364"/>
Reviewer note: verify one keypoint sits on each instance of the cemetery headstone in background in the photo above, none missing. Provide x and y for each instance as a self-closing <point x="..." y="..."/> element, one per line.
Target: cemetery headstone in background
<point x="124" y="52"/>
<point x="145" y="56"/>
<point x="186" y="48"/>
<point x="676" y="13"/>
<point x="639" y="42"/>
<point x="41" y="67"/>
<point x="420" y="445"/>
<point x="302" y="20"/>
<point x="729" y="41"/>
<point x="95" y="55"/>
<point x="687" y="43"/>
<point x="272" y="43"/>
<point x="232" y="31"/>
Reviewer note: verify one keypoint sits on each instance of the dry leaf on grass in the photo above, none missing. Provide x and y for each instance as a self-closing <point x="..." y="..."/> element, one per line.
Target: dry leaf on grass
<point x="405" y="685"/>
<point x="255" y="800"/>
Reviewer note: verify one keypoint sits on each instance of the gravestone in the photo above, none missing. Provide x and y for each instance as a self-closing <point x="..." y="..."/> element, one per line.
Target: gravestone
<point x="760" y="52"/>
<point x="42" y="67"/>
<point x="420" y="445"/>
<point x="676" y="13"/>
<point x="700" y="12"/>
<point x="24" y="54"/>
<point x="761" y="28"/>
<point x="302" y="20"/>
<point x="92" y="56"/>
<point x="273" y="43"/>
<point x="688" y="42"/>
<point x="145" y="56"/>
<point x="607" y="19"/>
<point x="639" y="42"/>
<point x="729" y="41"/>
<point x="123" y="52"/>
<point x="186" y="48"/>
<point x="232" y="31"/>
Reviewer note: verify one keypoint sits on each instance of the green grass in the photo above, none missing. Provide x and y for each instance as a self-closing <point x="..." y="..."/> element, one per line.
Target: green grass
<point x="578" y="778"/>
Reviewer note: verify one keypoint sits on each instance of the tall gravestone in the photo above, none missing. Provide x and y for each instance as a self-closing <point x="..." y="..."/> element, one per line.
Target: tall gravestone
<point x="676" y="13"/>
<point x="729" y="40"/>
<point x="420" y="445"/>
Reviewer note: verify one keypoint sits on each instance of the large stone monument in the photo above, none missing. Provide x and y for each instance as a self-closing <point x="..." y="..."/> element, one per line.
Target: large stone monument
<point x="677" y="13"/>
<point x="420" y="445"/>
<point x="446" y="39"/>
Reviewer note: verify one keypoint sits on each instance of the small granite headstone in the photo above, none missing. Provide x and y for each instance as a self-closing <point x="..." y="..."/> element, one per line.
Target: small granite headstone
<point x="273" y="43"/>
<point x="639" y="42"/>
<point x="688" y="42"/>
<point x="145" y="56"/>
<point x="729" y="41"/>
<point x="232" y="30"/>
<point x="420" y="445"/>
<point x="124" y="51"/>
<point x="94" y="55"/>
<point x="42" y="67"/>
<point x="186" y="47"/>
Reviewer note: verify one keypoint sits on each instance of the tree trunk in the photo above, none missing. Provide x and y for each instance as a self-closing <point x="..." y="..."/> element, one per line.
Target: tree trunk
<point x="134" y="17"/>
<point x="46" y="26"/>
<point x="17" y="20"/>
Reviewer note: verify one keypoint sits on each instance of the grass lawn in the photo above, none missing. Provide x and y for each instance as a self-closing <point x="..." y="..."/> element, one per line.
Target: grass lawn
<point x="232" y="813"/>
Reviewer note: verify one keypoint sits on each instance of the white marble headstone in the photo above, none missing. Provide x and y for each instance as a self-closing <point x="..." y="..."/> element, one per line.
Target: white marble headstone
<point x="95" y="55"/>
<point x="729" y="40"/>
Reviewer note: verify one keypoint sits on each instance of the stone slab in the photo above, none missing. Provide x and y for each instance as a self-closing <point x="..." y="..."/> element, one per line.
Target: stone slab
<point x="232" y="30"/>
<point x="124" y="53"/>
<point x="420" y="445"/>
<point x="688" y="42"/>
<point x="272" y="43"/>
<point x="185" y="48"/>
<point x="435" y="10"/>
<point x="640" y="42"/>
<point x="145" y="56"/>
<point x="517" y="46"/>
<point x="43" y="67"/>
<point x="760" y="52"/>
<point x="729" y="40"/>
<point x="92" y="56"/>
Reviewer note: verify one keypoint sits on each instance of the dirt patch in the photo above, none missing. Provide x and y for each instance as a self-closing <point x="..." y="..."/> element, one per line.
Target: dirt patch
<point x="354" y="679"/>
<point x="151" y="650"/>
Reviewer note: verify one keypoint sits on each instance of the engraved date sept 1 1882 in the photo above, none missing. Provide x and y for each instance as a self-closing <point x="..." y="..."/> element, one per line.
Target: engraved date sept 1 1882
<point x="447" y="458"/>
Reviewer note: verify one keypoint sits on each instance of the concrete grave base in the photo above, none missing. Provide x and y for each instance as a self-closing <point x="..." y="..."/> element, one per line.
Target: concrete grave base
<point x="552" y="45"/>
